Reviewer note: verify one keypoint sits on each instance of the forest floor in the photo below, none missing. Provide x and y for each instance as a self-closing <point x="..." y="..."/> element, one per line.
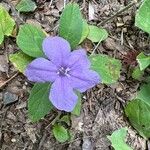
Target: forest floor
<point x="102" y="107"/>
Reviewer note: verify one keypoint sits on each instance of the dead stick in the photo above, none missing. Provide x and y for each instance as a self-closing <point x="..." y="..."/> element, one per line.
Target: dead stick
<point x="3" y="84"/>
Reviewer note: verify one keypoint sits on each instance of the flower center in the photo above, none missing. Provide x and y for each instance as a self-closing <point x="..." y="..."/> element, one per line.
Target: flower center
<point x="63" y="71"/>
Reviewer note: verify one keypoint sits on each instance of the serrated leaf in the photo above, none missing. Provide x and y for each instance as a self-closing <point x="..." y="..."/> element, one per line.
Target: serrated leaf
<point x="6" y="24"/>
<point x="20" y="60"/>
<point x="108" y="68"/>
<point x="137" y="73"/>
<point x="142" y="19"/>
<point x="71" y="24"/>
<point x="143" y="61"/>
<point x="138" y="113"/>
<point x="26" y="6"/>
<point x="30" y="39"/>
<point x="118" y="139"/>
<point x="144" y="93"/>
<point x="97" y="34"/>
<point x="61" y="134"/>
<point x="38" y="103"/>
<point x="76" y="111"/>
<point x="85" y="31"/>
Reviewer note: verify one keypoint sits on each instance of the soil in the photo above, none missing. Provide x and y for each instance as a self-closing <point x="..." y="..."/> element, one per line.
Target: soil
<point x="102" y="107"/>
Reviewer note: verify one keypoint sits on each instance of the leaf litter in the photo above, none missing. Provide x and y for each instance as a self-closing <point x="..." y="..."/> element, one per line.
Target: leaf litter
<point x="107" y="103"/>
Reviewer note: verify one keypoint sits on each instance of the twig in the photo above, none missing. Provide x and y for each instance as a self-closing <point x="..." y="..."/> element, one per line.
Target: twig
<point x="97" y="45"/>
<point x="95" y="48"/>
<point x="50" y="3"/>
<point x="3" y="84"/>
<point x="65" y="3"/>
<point x="90" y="105"/>
<point x="119" y="12"/>
<point x="54" y="120"/>
<point x="3" y="117"/>
<point x="57" y="117"/>
<point x="42" y="140"/>
<point x="14" y="11"/>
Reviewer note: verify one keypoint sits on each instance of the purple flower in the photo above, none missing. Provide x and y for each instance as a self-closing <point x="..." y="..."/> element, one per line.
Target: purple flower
<point x="68" y="71"/>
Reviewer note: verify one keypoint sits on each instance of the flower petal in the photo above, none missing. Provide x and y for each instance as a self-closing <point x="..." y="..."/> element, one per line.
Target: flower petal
<point x="78" y="58"/>
<point x="56" y="49"/>
<point x="83" y="80"/>
<point x="62" y="95"/>
<point x="41" y="70"/>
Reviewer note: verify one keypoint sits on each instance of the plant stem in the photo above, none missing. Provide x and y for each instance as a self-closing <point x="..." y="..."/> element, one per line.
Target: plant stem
<point x="57" y="117"/>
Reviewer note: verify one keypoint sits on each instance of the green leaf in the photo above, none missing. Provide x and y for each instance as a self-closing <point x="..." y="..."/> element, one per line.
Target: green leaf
<point x="137" y="73"/>
<point x="142" y="19"/>
<point x="30" y="40"/>
<point x="108" y="68"/>
<point x="38" y="103"/>
<point x="144" y="93"/>
<point x="138" y="113"/>
<point x="20" y="60"/>
<point x="26" y="6"/>
<point x="97" y="34"/>
<point x="143" y="61"/>
<point x="85" y="31"/>
<point x="118" y="139"/>
<point x="77" y="108"/>
<point x="71" y="24"/>
<point x="61" y="134"/>
<point x="6" y="24"/>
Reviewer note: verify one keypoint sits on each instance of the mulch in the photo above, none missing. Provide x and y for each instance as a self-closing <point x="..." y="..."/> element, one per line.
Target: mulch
<point x="102" y="107"/>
